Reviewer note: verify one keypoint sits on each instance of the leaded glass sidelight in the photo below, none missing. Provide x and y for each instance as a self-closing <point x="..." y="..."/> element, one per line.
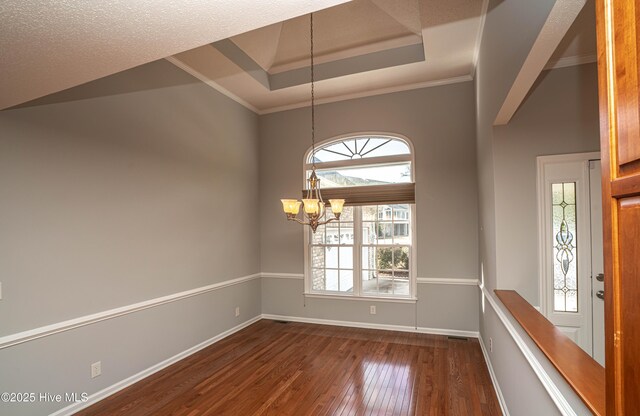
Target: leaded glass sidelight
<point x="565" y="267"/>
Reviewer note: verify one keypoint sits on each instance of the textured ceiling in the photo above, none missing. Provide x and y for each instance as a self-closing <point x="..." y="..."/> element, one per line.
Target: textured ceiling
<point x="48" y="46"/>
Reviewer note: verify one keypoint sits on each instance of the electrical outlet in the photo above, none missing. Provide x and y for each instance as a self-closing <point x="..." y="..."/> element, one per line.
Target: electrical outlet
<point x="96" y="369"/>
<point x="490" y="344"/>
<point x="372" y="309"/>
<point x="237" y="310"/>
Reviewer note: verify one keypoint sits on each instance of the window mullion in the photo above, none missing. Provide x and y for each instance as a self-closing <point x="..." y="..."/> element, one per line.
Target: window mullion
<point x="357" y="251"/>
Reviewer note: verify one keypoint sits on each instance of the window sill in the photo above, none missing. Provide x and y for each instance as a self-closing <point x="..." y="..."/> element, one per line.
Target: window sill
<point x="361" y="298"/>
<point x="582" y="373"/>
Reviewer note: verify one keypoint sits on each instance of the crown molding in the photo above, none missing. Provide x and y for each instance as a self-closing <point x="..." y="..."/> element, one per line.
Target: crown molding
<point x="370" y="93"/>
<point x="476" y="52"/>
<point x="189" y="70"/>
<point x="571" y="61"/>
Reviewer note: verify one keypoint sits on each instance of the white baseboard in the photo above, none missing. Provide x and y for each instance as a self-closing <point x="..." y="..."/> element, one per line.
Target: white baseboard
<point x="494" y="379"/>
<point x="386" y="327"/>
<point x="114" y="388"/>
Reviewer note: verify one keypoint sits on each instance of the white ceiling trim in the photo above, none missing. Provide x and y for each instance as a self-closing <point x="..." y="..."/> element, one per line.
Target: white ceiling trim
<point x="211" y="83"/>
<point x="571" y="61"/>
<point x="476" y="52"/>
<point x="348" y="53"/>
<point x="562" y="15"/>
<point x="369" y="93"/>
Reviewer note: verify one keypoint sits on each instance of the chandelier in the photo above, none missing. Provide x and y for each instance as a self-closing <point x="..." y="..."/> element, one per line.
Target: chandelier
<point x="314" y="210"/>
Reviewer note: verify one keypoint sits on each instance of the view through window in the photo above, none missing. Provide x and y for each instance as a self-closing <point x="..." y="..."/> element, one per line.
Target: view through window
<point x="368" y="252"/>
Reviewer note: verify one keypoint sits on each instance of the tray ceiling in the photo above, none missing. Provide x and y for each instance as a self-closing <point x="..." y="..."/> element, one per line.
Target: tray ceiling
<point x="361" y="48"/>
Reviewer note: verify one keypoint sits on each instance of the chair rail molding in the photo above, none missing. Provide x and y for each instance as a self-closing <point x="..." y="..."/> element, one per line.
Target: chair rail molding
<point x="43" y="331"/>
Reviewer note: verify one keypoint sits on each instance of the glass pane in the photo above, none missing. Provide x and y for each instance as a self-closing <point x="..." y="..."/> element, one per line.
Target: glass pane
<point x="369" y="282"/>
<point x="369" y="234"/>
<point x="558" y="300"/>
<point x="368" y="257"/>
<point x="332" y="233"/>
<point x="401" y="275"/>
<point x="401" y="258"/>
<point x="564" y="223"/>
<point x="385" y="282"/>
<point x="347" y="214"/>
<point x="332" y="279"/>
<point x="361" y="147"/>
<point x="401" y="287"/>
<point x="317" y="257"/>
<point x="346" y="257"/>
<point x="384" y="230"/>
<point x="400" y="212"/>
<point x="556" y="193"/>
<point x="376" y="148"/>
<point x="318" y="281"/>
<point x="318" y="236"/>
<point x="331" y="257"/>
<point x="569" y="190"/>
<point x="401" y="233"/>
<point x="346" y="233"/>
<point x="369" y="213"/>
<point x="384" y="258"/>
<point x="385" y="213"/>
<point x="346" y="280"/>
<point x="365" y="175"/>
<point x="572" y="301"/>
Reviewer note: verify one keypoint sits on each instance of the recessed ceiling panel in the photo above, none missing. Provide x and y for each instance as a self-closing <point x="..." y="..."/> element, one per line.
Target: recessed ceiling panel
<point x="363" y="47"/>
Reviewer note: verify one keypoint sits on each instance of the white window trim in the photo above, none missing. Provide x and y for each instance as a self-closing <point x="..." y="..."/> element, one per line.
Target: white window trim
<point x="413" y="281"/>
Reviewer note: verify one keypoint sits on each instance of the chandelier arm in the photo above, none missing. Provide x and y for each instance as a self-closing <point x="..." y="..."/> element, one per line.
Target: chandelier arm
<point x="328" y="221"/>
<point x="296" y="219"/>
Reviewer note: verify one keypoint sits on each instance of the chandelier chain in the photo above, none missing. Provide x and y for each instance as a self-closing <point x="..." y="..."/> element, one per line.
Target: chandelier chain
<point x="313" y="115"/>
<point x="314" y="213"/>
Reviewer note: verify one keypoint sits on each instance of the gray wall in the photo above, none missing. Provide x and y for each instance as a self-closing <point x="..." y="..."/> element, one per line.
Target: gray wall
<point x="523" y="392"/>
<point x="559" y="116"/>
<point x="112" y="193"/>
<point x="439" y="121"/>
<point x="505" y="44"/>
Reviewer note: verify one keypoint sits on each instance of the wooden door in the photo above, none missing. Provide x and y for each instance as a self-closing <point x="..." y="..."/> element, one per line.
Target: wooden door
<point x="618" y="65"/>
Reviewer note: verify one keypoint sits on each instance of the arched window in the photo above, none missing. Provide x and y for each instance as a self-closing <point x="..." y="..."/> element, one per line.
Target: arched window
<point x="369" y="252"/>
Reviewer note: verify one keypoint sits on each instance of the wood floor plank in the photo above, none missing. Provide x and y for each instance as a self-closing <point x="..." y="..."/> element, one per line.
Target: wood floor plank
<point x="275" y="368"/>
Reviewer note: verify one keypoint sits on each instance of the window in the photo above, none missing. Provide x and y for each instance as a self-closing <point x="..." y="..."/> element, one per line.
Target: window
<point x="369" y="252"/>
<point x="565" y="273"/>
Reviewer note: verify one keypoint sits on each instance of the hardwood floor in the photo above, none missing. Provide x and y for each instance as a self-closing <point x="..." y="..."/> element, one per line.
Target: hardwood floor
<point x="274" y="368"/>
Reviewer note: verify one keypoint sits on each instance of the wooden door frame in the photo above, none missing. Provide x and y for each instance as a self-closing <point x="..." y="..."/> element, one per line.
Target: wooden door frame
<point x="620" y="181"/>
